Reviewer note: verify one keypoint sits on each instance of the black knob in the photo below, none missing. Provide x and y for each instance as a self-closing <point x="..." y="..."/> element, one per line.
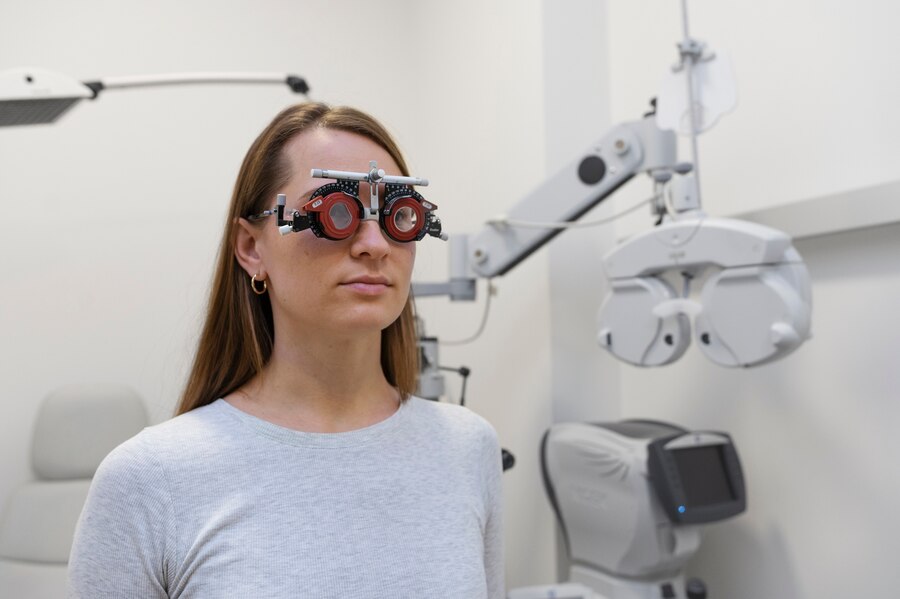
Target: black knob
<point x="509" y="460"/>
<point x="696" y="589"/>
<point x="591" y="170"/>
<point x="297" y="84"/>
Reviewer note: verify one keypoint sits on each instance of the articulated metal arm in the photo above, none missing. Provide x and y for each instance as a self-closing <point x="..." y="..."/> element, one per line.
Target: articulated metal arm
<point x="599" y="171"/>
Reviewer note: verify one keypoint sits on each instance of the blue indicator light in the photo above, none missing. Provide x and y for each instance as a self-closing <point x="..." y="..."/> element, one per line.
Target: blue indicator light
<point x="681" y="509"/>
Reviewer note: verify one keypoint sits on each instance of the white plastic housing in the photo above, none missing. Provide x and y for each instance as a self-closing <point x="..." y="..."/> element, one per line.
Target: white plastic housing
<point x="613" y="518"/>
<point x="30" y="96"/>
<point x="630" y="330"/>
<point x="755" y="309"/>
<point x="28" y="83"/>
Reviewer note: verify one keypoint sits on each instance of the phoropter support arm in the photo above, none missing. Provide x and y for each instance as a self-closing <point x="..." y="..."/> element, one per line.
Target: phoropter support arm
<point x="599" y="171"/>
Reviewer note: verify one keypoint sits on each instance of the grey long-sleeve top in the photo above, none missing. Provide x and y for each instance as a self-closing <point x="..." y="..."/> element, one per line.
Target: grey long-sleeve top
<point x="217" y="503"/>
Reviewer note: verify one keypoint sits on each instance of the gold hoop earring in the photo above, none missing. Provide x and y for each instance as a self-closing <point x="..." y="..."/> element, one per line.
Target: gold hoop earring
<point x="256" y="289"/>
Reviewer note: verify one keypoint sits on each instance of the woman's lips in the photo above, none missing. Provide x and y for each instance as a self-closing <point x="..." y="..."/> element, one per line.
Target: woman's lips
<point x="367" y="285"/>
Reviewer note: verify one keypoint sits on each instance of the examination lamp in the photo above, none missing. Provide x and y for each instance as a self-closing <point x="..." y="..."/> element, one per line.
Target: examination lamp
<point x="34" y="96"/>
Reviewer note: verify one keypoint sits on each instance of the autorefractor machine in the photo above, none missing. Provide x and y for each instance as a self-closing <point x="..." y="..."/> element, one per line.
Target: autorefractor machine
<point x="630" y="498"/>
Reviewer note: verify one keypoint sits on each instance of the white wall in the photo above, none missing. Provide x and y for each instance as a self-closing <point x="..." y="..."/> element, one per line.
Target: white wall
<point x="134" y="188"/>
<point x="479" y="137"/>
<point x="577" y="114"/>
<point x="818" y="90"/>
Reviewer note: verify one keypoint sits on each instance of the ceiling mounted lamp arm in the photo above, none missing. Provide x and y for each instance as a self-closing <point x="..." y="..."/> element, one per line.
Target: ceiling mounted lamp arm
<point x="34" y="96"/>
<point x="296" y="83"/>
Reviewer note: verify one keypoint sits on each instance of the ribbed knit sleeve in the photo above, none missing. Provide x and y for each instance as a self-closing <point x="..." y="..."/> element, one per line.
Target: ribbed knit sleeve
<point x="493" y="531"/>
<point x="125" y="539"/>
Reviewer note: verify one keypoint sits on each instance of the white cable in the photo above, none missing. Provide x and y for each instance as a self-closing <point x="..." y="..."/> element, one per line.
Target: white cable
<point x="566" y="225"/>
<point x="667" y="200"/>
<point x="484" y="317"/>
<point x="536" y="225"/>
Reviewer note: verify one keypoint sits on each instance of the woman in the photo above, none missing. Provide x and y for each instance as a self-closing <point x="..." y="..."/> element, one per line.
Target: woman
<point x="299" y="464"/>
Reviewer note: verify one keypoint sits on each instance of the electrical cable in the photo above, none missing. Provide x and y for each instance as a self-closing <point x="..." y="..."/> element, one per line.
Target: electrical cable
<point x="569" y="225"/>
<point x="668" y="202"/>
<point x="688" y="277"/>
<point x="484" y="317"/>
<point x="536" y="225"/>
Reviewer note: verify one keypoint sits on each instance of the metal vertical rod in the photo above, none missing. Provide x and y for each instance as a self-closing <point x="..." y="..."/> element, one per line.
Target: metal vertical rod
<point x="688" y="59"/>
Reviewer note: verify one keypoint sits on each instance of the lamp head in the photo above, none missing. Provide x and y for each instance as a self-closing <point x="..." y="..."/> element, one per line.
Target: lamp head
<point x="31" y="96"/>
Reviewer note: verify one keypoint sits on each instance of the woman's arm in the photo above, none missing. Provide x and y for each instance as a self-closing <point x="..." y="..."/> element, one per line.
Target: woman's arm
<point x="122" y="543"/>
<point x="494" y="565"/>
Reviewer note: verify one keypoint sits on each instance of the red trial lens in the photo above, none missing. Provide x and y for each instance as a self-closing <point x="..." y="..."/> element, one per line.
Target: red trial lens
<point x="334" y="216"/>
<point x="403" y="218"/>
<point x="407" y="216"/>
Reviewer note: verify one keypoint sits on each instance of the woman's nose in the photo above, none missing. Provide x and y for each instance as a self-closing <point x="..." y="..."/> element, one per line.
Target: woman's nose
<point x="369" y="240"/>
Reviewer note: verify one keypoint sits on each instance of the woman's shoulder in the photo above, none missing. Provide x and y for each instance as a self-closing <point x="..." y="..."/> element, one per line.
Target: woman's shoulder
<point x="450" y="418"/>
<point x="457" y="434"/>
<point x="148" y="453"/>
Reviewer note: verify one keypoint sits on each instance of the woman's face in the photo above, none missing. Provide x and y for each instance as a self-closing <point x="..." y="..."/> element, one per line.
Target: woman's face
<point x="317" y="285"/>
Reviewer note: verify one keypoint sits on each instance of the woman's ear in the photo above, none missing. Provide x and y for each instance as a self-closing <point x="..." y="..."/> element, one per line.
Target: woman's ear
<point x="247" y="245"/>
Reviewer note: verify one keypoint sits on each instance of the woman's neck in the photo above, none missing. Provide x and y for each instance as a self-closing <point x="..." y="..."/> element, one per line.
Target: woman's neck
<point x="321" y="385"/>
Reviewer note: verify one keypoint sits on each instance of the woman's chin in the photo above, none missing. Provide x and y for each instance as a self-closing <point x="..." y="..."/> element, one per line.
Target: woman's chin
<point x="363" y="321"/>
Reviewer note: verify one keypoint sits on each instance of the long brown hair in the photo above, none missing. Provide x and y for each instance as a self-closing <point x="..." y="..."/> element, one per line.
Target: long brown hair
<point x="238" y="335"/>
